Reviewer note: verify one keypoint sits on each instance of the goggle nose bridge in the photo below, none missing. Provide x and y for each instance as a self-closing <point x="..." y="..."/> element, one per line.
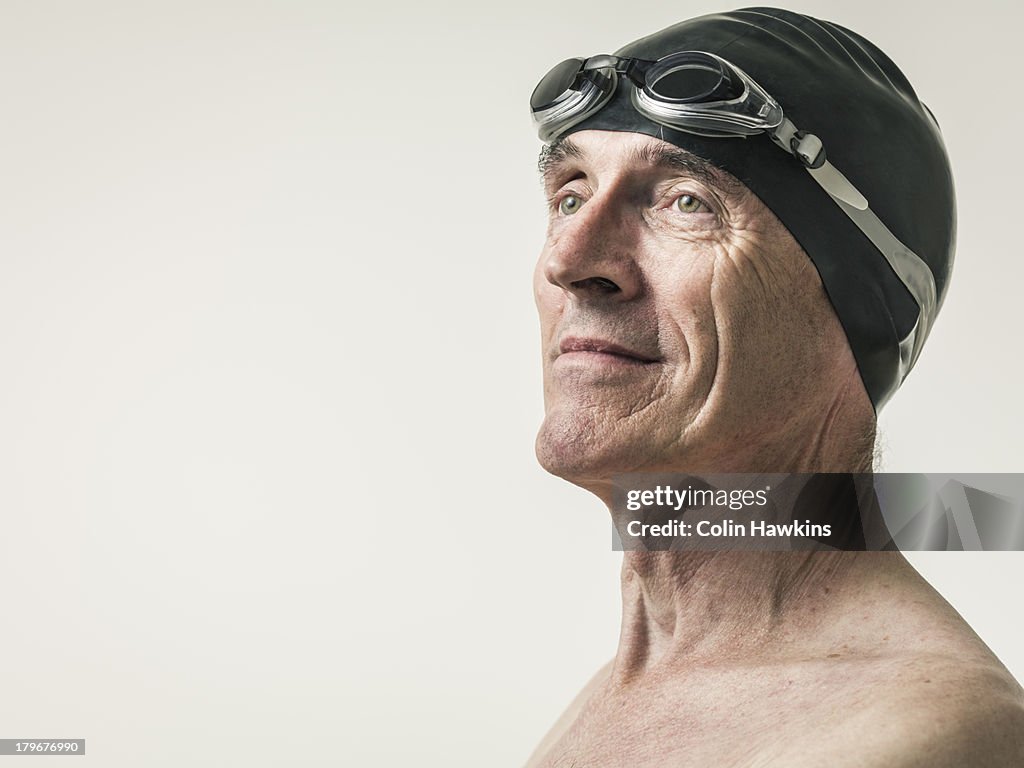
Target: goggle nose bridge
<point x="631" y="68"/>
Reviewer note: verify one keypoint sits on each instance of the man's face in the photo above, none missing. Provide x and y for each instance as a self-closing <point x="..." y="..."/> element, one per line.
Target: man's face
<point x="683" y="328"/>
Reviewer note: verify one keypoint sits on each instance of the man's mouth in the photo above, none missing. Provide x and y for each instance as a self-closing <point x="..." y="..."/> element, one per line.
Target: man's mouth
<point x="600" y="350"/>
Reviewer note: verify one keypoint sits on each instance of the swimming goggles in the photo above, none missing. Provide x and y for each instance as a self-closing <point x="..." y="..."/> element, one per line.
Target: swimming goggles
<point x="703" y="94"/>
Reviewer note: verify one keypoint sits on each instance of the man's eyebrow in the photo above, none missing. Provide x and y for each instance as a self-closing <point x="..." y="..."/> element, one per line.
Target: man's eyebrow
<point x="557" y="154"/>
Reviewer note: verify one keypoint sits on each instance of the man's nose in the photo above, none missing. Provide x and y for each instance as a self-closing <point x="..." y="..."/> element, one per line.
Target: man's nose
<point x="593" y="253"/>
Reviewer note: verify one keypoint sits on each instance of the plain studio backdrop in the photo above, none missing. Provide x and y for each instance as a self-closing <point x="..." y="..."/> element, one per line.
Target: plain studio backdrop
<point x="270" y="372"/>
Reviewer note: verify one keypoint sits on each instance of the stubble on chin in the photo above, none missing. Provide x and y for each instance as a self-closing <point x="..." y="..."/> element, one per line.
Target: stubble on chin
<point x="590" y="444"/>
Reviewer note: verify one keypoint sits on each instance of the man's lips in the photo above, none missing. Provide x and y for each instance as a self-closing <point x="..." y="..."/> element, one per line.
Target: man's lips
<point x="585" y="345"/>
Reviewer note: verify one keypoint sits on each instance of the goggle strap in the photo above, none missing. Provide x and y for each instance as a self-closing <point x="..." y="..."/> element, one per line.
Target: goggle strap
<point x="908" y="266"/>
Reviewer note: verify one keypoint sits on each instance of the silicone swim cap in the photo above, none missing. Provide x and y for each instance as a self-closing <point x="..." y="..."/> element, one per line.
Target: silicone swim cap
<point x="835" y="84"/>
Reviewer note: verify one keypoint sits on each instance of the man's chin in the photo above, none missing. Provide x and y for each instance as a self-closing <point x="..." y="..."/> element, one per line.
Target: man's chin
<point x="584" y="457"/>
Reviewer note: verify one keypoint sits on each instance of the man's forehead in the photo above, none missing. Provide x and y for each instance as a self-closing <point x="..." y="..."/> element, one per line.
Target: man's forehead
<point x="621" y="149"/>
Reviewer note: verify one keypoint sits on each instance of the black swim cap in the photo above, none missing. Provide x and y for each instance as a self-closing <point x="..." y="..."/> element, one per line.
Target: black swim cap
<point x="836" y="85"/>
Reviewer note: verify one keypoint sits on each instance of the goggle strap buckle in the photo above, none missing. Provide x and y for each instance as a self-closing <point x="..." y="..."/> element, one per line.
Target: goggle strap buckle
<point x="804" y="146"/>
<point x="808" y="149"/>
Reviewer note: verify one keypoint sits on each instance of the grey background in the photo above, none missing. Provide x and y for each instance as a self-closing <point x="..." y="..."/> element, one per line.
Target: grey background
<point x="270" y="375"/>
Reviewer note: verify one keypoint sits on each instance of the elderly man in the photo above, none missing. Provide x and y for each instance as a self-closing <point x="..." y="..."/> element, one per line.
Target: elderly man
<point x="751" y="228"/>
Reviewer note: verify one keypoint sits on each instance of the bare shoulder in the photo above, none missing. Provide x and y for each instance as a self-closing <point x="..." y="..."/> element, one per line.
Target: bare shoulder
<point x="931" y="710"/>
<point x="919" y="686"/>
<point x="966" y="714"/>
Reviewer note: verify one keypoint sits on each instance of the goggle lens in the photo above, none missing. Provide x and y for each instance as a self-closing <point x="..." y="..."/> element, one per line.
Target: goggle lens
<point x="555" y="83"/>
<point x="690" y="78"/>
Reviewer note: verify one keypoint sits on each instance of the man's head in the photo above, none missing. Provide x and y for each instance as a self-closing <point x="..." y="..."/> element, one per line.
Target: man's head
<point x="758" y="304"/>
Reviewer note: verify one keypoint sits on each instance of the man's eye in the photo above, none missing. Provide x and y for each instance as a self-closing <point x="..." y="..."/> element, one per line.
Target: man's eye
<point x="570" y="204"/>
<point x="689" y="204"/>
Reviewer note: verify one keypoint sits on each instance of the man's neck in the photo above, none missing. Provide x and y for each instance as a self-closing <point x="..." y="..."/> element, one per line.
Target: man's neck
<point x="710" y="607"/>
